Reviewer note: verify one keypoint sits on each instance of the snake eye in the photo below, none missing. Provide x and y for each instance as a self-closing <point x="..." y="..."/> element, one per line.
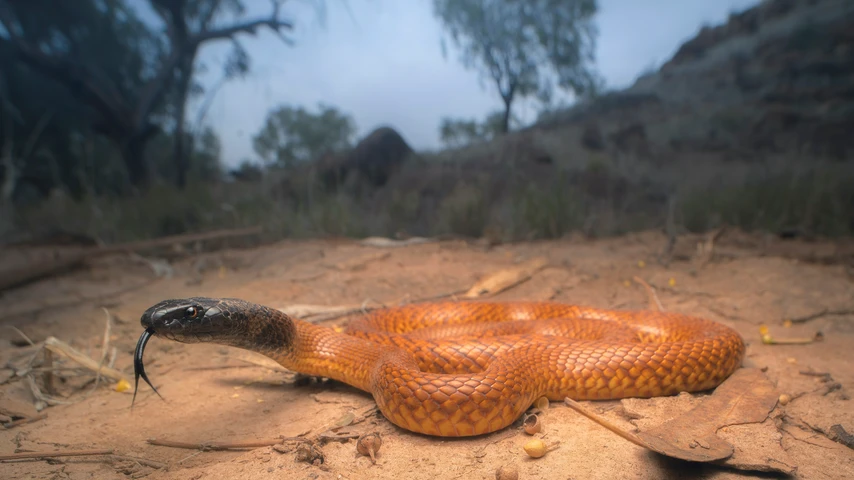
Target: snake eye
<point x="191" y="312"/>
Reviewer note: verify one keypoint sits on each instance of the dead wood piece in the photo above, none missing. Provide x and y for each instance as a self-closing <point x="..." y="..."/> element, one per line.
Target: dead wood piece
<point x="67" y="453"/>
<point x="100" y="298"/>
<point x="822" y="313"/>
<point x="501" y="280"/>
<point x="213" y="445"/>
<point x="360" y="263"/>
<point x="383" y="242"/>
<point x="22" y="276"/>
<point x="654" y="302"/>
<point x="839" y="435"/>
<point x="24" y="421"/>
<point x="336" y="435"/>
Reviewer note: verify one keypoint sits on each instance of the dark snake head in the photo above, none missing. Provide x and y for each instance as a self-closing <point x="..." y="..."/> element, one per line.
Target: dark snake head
<point x="226" y="321"/>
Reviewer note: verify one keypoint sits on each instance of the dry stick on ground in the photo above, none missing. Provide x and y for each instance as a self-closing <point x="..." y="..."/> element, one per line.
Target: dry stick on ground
<point x="77" y="301"/>
<point x="823" y="313"/>
<point x="105" y="346"/>
<point x="67" y="453"/>
<point x="210" y="446"/>
<point x="707" y="248"/>
<point x="80" y="453"/>
<point x="63" y="349"/>
<point x="30" y="273"/>
<point x="24" y="421"/>
<point x="654" y="303"/>
<point x="323" y="434"/>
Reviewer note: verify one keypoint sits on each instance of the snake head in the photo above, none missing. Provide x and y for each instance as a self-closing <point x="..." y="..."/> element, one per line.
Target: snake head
<point x="226" y="321"/>
<point x="187" y="320"/>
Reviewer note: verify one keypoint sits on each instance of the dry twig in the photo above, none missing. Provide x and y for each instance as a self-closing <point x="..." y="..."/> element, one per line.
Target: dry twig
<point x="654" y="303"/>
<point x="822" y="313"/>
<point x="67" y="453"/>
<point x="63" y="349"/>
<point x="24" y="421"/>
<point x="211" y="446"/>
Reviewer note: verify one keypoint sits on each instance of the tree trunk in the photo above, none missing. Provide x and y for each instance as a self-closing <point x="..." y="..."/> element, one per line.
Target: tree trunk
<point x="180" y="154"/>
<point x="10" y="173"/>
<point x="505" y="120"/>
<point x="133" y="154"/>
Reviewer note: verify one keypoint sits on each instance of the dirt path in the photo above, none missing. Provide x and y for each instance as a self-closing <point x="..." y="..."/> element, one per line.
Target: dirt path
<point x="211" y="395"/>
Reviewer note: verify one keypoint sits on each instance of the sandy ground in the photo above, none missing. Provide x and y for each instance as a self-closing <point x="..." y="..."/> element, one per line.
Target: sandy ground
<point x="214" y="396"/>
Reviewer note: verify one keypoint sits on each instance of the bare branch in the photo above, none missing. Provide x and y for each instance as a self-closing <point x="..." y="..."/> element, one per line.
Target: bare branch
<point x="186" y="46"/>
<point x="248" y="27"/>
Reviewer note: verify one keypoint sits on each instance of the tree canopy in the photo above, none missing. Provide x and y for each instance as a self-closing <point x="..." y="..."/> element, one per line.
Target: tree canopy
<point x="129" y="80"/>
<point x="525" y="48"/>
<point x="291" y="135"/>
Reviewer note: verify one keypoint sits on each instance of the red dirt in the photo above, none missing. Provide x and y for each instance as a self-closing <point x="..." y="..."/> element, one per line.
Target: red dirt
<point x="211" y="395"/>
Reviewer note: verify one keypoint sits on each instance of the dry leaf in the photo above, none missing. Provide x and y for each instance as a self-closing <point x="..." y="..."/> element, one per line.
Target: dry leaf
<point x="747" y="396"/>
<point x="345" y="420"/>
<point x="757" y="447"/>
<point x="504" y="279"/>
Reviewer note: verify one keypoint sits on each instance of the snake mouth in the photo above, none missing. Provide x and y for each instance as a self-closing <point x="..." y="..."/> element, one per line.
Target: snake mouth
<point x="138" y="366"/>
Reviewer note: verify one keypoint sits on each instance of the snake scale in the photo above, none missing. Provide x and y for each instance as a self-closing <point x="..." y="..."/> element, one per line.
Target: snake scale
<point x="457" y="369"/>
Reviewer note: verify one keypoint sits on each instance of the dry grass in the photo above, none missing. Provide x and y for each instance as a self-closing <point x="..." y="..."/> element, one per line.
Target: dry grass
<point x="502" y="188"/>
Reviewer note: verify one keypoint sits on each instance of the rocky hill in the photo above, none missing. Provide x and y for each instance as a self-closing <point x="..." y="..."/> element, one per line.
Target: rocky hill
<point x="749" y="123"/>
<point x="777" y="78"/>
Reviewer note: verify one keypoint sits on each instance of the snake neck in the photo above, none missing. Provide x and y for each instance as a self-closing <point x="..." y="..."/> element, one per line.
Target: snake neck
<point x="323" y="352"/>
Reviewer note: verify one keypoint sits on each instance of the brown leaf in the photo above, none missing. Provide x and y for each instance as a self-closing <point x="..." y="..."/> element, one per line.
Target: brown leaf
<point x="504" y="279"/>
<point x="746" y="397"/>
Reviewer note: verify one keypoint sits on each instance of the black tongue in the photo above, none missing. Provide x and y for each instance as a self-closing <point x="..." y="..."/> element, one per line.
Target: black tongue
<point x="138" y="367"/>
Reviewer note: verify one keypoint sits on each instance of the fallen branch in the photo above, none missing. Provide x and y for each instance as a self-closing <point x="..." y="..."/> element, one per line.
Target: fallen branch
<point x="10" y="313"/>
<point x="24" y="421"/>
<point x="67" y="453"/>
<point x="822" y="313"/>
<point x="212" y="446"/>
<point x="31" y="273"/>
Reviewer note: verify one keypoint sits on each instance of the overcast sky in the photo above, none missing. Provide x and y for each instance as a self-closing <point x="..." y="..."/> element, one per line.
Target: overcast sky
<point x="381" y="62"/>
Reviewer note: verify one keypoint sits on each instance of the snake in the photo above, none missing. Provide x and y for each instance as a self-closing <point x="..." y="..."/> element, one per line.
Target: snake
<point x="460" y="368"/>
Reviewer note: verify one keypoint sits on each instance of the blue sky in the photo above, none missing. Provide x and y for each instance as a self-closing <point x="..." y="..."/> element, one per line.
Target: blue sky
<point x="381" y="62"/>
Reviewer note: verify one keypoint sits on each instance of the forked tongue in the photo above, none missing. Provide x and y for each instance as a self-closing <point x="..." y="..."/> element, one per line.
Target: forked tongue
<point x="138" y="367"/>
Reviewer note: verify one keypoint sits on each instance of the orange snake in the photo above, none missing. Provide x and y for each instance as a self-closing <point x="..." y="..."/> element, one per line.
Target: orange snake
<point x="468" y="368"/>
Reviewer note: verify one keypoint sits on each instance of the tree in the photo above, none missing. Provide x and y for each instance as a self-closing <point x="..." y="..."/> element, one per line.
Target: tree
<point x="122" y="70"/>
<point x="292" y="135"/>
<point x="456" y="133"/>
<point x="524" y="47"/>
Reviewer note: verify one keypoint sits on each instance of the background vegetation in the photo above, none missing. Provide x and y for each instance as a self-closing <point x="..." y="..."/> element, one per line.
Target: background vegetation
<point x="96" y="138"/>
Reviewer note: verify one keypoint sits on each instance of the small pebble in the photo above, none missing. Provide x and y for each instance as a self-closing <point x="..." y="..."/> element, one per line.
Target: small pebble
<point x="507" y="472"/>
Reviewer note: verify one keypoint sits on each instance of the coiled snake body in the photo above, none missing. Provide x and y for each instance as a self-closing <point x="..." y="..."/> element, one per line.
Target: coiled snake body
<point x="469" y="368"/>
